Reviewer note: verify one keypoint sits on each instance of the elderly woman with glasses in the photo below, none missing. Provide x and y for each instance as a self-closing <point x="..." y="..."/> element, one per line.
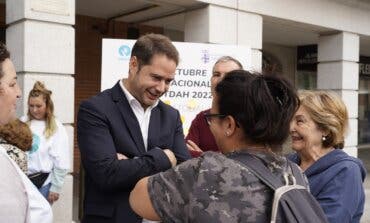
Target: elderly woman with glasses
<point x="250" y="115"/>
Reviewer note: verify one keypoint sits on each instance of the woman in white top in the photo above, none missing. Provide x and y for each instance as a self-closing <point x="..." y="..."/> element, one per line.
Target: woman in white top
<point x="20" y="202"/>
<point x="49" y="155"/>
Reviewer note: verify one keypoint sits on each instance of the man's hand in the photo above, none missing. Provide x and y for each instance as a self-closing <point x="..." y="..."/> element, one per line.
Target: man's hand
<point x="168" y="153"/>
<point x="193" y="147"/>
<point x="171" y="157"/>
<point x="121" y="156"/>
<point x="52" y="197"/>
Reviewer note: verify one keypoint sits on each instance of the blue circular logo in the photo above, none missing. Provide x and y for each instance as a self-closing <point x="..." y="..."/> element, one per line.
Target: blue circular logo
<point x="124" y="51"/>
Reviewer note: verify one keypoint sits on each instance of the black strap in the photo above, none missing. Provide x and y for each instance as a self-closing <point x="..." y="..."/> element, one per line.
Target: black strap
<point x="258" y="169"/>
<point x="256" y="166"/>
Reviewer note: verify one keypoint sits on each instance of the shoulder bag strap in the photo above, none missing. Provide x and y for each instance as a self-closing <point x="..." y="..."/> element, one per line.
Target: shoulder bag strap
<point x="297" y="173"/>
<point x="258" y="169"/>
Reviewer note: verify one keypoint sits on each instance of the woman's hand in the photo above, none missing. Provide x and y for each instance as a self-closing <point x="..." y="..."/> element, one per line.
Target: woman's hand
<point x="193" y="147"/>
<point x="52" y="197"/>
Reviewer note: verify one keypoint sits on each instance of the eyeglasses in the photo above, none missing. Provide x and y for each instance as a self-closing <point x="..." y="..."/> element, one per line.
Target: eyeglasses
<point x="209" y="116"/>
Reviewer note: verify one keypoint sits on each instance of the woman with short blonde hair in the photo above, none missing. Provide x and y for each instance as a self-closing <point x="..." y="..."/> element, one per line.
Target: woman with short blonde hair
<point x="329" y="112"/>
<point x="335" y="178"/>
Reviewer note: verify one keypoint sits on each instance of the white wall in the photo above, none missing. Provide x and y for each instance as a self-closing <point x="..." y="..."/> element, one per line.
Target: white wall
<point x="335" y="15"/>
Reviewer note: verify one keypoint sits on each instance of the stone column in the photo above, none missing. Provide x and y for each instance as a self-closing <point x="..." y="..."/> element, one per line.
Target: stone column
<point x="41" y="40"/>
<point x="249" y="33"/>
<point x="338" y="70"/>
<point x="216" y="24"/>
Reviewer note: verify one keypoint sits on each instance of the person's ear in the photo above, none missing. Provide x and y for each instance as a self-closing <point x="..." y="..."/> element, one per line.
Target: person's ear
<point x="133" y="65"/>
<point x="324" y="132"/>
<point x="230" y="125"/>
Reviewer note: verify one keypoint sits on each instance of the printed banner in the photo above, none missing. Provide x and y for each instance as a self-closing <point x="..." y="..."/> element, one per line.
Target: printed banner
<point x="190" y="92"/>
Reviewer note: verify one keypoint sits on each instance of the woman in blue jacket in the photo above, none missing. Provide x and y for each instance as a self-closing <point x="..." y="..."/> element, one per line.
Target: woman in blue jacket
<point x="335" y="178"/>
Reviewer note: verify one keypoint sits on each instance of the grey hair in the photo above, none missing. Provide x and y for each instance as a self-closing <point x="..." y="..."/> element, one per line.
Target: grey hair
<point x="227" y="59"/>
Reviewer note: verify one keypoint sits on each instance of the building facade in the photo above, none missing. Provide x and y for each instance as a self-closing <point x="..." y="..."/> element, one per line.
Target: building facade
<point x="317" y="44"/>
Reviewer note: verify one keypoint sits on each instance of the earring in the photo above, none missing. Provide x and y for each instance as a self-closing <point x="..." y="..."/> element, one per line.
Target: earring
<point x="323" y="138"/>
<point x="227" y="133"/>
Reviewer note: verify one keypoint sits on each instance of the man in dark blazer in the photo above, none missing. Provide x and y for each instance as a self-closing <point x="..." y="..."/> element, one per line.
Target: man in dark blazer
<point x="129" y="120"/>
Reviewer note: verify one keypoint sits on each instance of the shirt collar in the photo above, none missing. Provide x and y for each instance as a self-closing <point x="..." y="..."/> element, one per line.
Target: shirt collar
<point x="131" y="99"/>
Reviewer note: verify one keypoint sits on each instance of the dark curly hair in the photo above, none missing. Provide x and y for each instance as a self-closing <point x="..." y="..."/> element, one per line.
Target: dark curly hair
<point x="4" y="54"/>
<point x="18" y="134"/>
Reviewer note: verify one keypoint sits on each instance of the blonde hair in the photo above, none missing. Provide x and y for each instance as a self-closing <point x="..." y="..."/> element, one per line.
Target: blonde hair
<point x="330" y="114"/>
<point x="40" y="90"/>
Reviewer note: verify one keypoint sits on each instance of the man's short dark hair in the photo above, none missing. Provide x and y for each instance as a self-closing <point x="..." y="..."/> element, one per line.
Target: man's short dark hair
<point x="154" y="44"/>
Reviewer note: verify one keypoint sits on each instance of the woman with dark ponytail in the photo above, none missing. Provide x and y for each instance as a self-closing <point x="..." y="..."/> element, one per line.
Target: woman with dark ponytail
<point x="48" y="160"/>
<point x="250" y="116"/>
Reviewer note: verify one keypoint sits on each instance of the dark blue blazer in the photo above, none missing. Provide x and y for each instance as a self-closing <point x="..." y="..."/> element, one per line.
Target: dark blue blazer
<point x="106" y="125"/>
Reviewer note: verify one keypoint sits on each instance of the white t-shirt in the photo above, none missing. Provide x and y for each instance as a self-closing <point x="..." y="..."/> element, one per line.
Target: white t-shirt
<point x="47" y="153"/>
<point x="39" y="209"/>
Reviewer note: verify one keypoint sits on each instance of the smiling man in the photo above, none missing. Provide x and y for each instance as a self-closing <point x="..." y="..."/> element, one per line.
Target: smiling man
<point x="126" y="132"/>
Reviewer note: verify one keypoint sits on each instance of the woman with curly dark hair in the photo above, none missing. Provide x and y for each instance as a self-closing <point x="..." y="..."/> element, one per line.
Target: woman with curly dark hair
<point x="20" y="201"/>
<point x="16" y="138"/>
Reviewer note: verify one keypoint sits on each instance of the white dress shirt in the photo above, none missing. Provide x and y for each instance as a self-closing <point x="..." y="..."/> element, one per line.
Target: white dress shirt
<point x="143" y="116"/>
